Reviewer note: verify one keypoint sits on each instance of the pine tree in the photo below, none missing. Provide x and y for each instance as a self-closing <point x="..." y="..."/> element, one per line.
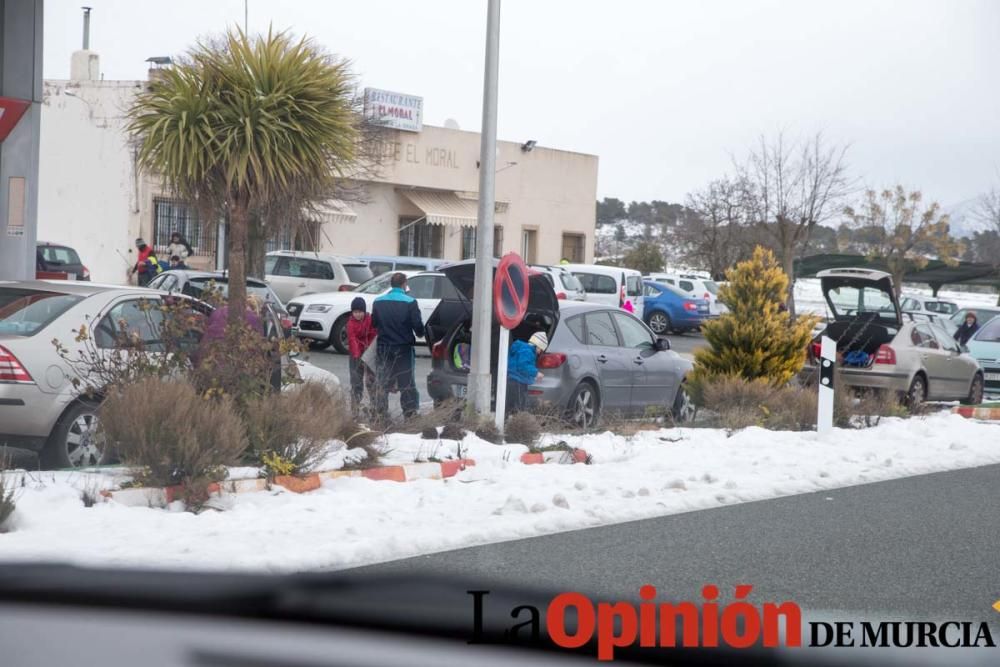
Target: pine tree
<point x="756" y="338"/>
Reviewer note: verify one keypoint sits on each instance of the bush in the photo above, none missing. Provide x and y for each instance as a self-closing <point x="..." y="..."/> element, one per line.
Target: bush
<point x="488" y="431"/>
<point x="289" y="432"/>
<point x="8" y="487"/>
<point x="452" y="431"/>
<point x="522" y="428"/>
<point x="756" y="339"/>
<point x="173" y="434"/>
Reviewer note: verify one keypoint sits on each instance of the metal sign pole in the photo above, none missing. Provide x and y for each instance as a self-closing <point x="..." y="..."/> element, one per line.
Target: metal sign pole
<point x="482" y="306"/>
<point x="503" y="350"/>
<point x="827" y="364"/>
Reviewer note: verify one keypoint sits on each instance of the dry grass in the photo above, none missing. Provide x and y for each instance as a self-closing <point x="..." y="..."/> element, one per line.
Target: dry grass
<point x="488" y="431"/>
<point x="290" y="432"/>
<point x="172" y="433"/>
<point x="8" y="489"/>
<point x="522" y="428"/>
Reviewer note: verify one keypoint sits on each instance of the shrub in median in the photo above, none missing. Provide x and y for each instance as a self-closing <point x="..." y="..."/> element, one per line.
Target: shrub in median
<point x="172" y="434"/>
<point x="522" y="428"/>
<point x="756" y="339"/>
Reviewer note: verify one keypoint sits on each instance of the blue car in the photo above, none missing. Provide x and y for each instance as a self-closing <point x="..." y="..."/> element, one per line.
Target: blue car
<point x="669" y="310"/>
<point x="985" y="347"/>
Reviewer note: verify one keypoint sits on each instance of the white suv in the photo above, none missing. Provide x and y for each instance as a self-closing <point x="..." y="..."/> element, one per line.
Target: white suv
<point x="695" y="286"/>
<point x="565" y="284"/>
<point x="291" y="273"/>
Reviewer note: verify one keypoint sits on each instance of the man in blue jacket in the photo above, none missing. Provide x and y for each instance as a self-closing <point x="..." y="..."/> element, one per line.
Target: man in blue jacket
<point x="396" y="317"/>
<point x="522" y="370"/>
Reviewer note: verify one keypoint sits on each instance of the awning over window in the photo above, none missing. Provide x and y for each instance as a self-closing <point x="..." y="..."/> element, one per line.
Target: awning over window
<point x="333" y="210"/>
<point x="443" y="208"/>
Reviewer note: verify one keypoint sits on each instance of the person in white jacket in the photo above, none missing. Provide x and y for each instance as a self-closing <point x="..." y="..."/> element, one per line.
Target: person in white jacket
<point x="179" y="246"/>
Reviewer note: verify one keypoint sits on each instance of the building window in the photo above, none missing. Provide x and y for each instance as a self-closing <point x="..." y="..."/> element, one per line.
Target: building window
<point x="281" y="241"/>
<point x="469" y="242"/>
<point x="573" y="247"/>
<point x="418" y="239"/>
<point x="529" y="245"/>
<point x="171" y="215"/>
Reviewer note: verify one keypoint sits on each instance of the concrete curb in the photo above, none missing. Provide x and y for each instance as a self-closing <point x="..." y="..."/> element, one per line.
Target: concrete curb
<point x="972" y="412"/>
<point x="161" y="497"/>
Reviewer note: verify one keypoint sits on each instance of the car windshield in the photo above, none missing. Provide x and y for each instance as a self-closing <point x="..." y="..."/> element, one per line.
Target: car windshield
<point x="25" y="312"/>
<point x="376" y="285"/>
<point x="712" y="287"/>
<point x="983" y="315"/>
<point x="199" y="285"/>
<point x="570" y="282"/>
<point x="849" y="300"/>
<point x="57" y="254"/>
<point x="990" y="333"/>
<point x="358" y="273"/>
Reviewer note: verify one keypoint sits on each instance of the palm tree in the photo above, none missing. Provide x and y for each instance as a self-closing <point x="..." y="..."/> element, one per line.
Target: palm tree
<point x="243" y="125"/>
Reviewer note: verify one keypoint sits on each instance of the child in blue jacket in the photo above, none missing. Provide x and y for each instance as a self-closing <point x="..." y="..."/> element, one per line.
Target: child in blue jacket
<point x="522" y="370"/>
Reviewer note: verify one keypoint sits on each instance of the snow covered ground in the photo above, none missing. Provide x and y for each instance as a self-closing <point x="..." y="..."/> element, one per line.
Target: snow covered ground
<point x="353" y="521"/>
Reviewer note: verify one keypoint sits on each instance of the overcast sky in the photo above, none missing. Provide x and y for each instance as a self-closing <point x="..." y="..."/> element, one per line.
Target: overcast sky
<point x="664" y="92"/>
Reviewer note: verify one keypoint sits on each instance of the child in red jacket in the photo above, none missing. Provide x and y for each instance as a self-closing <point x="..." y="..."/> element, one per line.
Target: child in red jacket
<point x="360" y="334"/>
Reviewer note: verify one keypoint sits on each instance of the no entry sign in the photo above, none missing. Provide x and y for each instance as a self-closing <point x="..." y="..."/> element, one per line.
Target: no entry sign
<point x="510" y="290"/>
<point x="11" y="110"/>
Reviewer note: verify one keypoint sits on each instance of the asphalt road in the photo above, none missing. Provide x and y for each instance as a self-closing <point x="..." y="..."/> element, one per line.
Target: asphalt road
<point x="920" y="548"/>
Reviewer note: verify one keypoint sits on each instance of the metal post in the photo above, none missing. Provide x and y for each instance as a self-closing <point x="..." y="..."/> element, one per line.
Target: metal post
<point x="86" y="28"/>
<point x="502" y="355"/>
<point x="482" y="301"/>
<point x="827" y="364"/>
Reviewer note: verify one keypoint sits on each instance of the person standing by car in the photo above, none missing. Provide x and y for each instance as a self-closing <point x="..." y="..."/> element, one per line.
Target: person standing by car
<point x="147" y="266"/>
<point x="360" y="334"/>
<point x="179" y="246"/>
<point x="968" y="328"/>
<point x="396" y="317"/>
<point x="522" y="370"/>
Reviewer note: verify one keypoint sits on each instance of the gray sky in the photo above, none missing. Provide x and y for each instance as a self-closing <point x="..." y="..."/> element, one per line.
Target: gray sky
<point x="664" y="92"/>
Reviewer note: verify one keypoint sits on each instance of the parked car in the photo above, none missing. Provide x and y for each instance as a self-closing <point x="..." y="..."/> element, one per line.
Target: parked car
<point x="955" y="320"/>
<point x="40" y="409"/>
<point x="878" y="347"/>
<point x="610" y="285"/>
<point x="600" y="359"/>
<point x="59" y="262"/>
<point x="322" y="318"/>
<point x="670" y="310"/>
<point x="195" y="283"/>
<point x="380" y="264"/>
<point x="291" y="273"/>
<point x="985" y="347"/>
<point x="919" y="304"/>
<point x="566" y="285"/>
<point x="694" y="286"/>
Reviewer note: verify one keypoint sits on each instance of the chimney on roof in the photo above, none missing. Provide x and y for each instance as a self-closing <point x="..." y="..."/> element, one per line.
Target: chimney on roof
<point x="85" y="65"/>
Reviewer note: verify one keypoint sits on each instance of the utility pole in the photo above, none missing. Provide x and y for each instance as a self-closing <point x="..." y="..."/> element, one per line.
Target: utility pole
<point x="480" y="385"/>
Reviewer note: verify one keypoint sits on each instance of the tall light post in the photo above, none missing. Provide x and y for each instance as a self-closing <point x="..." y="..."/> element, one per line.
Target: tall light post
<point x="480" y="386"/>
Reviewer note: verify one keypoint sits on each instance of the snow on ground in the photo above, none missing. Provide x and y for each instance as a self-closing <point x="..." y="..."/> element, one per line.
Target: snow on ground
<point x="353" y="521"/>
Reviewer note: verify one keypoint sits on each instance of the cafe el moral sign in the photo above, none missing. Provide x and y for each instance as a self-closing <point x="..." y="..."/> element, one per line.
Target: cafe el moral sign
<point x="395" y="110"/>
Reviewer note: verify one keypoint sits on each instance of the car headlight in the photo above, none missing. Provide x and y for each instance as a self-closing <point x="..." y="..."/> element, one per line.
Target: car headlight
<point x="318" y="308"/>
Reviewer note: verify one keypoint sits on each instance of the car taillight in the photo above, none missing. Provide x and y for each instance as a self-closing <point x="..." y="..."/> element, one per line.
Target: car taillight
<point x="885" y="355"/>
<point x="286" y="323"/>
<point x="621" y="297"/>
<point x="690" y="305"/>
<point x="86" y="274"/>
<point x="438" y="350"/>
<point x="707" y="297"/>
<point x="346" y="288"/>
<point x="11" y="369"/>
<point x="551" y="359"/>
<point x="817" y="349"/>
<point x="560" y="295"/>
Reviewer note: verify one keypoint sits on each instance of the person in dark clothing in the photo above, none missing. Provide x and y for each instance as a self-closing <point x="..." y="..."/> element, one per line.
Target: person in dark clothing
<point x="360" y="334"/>
<point x="396" y="317"/>
<point x="968" y="328"/>
<point x="177" y="263"/>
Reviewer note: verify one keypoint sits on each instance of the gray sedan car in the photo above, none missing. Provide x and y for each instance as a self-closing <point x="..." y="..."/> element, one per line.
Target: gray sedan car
<point x="600" y="359"/>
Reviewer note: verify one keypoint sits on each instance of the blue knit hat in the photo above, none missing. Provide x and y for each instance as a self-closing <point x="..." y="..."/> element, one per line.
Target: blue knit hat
<point x="359" y="304"/>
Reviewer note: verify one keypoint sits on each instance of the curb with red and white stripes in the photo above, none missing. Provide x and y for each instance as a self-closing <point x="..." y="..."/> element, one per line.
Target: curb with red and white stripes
<point x="408" y="472"/>
<point x="971" y="412"/>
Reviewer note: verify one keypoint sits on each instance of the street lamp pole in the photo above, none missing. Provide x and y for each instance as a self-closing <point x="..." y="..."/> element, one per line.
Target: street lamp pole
<point x="480" y="386"/>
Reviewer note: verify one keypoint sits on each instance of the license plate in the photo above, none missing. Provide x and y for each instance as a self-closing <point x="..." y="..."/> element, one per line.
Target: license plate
<point x="991" y="377"/>
<point x="70" y="276"/>
<point x="459" y="390"/>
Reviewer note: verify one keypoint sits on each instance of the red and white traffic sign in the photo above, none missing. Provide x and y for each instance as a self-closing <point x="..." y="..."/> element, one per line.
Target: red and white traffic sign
<point x="510" y="290"/>
<point x="11" y="110"/>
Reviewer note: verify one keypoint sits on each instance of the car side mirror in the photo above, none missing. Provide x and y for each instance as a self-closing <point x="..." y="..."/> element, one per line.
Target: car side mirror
<point x="661" y="345"/>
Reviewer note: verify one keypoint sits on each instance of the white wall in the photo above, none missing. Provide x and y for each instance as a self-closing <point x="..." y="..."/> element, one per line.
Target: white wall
<point x="87" y="189"/>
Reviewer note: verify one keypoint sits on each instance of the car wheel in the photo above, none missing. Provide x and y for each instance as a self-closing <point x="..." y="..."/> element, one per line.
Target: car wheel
<point x="76" y="441"/>
<point x="338" y="335"/>
<point x="975" y="396"/>
<point x="683" y="409"/>
<point x="584" y="408"/>
<point x="659" y="322"/>
<point x="917" y="393"/>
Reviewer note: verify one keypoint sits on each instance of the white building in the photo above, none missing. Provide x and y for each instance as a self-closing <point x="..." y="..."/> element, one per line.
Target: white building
<point x="93" y="198"/>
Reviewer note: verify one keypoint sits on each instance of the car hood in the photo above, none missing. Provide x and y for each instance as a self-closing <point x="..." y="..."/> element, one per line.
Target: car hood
<point x="332" y="298"/>
<point x="842" y="278"/>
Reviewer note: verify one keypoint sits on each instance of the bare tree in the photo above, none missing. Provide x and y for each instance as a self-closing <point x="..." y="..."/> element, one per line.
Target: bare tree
<point x="987" y="210"/>
<point x="794" y="186"/>
<point x="718" y="234"/>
